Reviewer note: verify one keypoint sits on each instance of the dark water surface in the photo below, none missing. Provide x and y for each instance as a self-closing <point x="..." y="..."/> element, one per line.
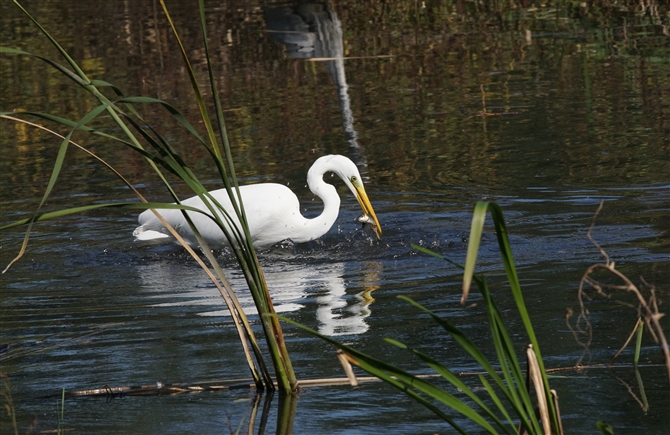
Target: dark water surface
<point x="546" y="110"/>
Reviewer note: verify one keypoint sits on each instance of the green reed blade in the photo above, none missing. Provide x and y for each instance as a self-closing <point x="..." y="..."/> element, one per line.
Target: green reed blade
<point x="246" y="256"/>
<point x="506" y="384"/>
<point x="490" y="390"/>
<point x="510" y="269"/>
<point x="170" y="162"/>
<point x="476" y="230"/>
<point x="404" y="381"/>
<point x="459" y="385"/>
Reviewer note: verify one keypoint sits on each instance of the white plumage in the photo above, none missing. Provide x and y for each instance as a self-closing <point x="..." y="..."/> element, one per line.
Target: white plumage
<point x="272" y="210"/>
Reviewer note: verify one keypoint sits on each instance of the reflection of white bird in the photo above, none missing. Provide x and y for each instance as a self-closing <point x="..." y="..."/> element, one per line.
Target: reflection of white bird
<point x="272" y="210"/>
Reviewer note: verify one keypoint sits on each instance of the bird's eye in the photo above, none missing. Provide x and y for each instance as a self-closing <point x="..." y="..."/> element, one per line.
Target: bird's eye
<point x="354" y="179"/>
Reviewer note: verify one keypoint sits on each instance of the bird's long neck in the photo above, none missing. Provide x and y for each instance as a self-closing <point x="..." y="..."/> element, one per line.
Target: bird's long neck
<point x="318" y="226"/>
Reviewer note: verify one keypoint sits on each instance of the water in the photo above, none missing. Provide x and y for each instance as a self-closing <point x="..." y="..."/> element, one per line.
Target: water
<point x="440" y="107"/>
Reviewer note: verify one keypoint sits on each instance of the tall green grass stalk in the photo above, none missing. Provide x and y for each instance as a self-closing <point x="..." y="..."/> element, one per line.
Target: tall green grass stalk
<point x="137" y="136"/>
<point x="502" y="402"/>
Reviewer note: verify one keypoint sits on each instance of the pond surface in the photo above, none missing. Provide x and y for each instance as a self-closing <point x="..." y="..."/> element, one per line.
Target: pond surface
<point x="546" y="110"/>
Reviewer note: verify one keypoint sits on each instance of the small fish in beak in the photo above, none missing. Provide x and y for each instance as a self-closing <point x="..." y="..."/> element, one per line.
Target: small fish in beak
<point x="367" y="219"/>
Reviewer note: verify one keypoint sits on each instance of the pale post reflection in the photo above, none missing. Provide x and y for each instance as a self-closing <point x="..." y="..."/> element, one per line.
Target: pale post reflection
<point x="313" y="31"/>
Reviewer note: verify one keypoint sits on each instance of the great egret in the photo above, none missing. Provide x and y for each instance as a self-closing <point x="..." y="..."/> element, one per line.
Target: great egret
<point x="272" y="210"/>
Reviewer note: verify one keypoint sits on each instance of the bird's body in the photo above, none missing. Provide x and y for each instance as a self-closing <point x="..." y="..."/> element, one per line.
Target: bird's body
<point x="272" y="210"/>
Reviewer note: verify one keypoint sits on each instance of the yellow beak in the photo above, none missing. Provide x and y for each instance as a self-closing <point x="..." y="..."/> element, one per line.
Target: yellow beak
<point x="363" y="200"/>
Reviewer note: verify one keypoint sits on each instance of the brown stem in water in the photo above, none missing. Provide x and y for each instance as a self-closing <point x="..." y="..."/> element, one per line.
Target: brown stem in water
<point x="647" y="308"/>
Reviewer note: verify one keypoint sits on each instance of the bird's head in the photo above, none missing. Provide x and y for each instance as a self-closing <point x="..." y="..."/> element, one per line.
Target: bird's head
<point x="348" y="172"/>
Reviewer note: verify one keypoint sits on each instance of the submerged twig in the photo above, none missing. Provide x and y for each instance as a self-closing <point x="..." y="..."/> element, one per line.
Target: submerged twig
<point x="642" y="402"/>
<point x="647" y="308"/>
<point x="6" y="395"/>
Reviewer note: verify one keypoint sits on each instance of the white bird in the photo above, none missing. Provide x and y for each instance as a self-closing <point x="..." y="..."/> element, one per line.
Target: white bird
<point x="272" y="210"/>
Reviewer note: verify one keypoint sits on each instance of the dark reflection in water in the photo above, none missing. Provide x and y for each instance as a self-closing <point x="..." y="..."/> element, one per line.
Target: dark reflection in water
<point x="546" y="110"/>
<point x="313" y="31"/>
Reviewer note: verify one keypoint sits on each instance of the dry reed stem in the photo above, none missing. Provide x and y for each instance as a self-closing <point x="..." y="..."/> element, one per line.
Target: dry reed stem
<point x="247" y="383"/>
<point x="554" y="398"/>
<point x="346" y="365"/>
<point x="198" y="387"/>
<point x="535" y="375"/>
<point x="218" y="385"/>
